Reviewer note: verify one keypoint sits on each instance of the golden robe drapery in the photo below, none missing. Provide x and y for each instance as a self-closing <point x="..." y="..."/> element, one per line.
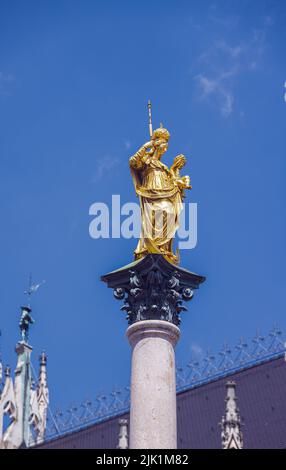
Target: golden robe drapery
<point x="160" y="203"/>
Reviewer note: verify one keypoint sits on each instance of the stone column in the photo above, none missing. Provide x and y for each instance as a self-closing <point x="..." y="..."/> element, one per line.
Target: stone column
<point x="153" y="292"/>
<point x="153" y="417"/>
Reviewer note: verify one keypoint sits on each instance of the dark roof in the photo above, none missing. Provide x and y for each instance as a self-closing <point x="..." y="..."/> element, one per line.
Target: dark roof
<point x="261" y="392"/>
<point x="261" y="401"/>
<point x="98" y="436"/>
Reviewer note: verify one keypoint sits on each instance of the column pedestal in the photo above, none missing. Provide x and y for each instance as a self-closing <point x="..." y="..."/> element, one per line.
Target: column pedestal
<point x="153" y="420"/>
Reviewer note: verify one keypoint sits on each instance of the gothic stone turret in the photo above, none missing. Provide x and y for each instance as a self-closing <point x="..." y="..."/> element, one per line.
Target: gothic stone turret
<point x="231" y="423"/>
<point x="25" y="405"/>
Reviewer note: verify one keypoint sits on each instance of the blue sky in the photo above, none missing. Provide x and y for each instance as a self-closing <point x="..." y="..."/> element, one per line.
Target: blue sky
<point x="75" y="78"/>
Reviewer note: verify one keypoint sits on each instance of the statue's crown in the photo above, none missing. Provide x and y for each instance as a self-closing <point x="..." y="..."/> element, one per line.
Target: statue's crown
<point x="161" y="133"/>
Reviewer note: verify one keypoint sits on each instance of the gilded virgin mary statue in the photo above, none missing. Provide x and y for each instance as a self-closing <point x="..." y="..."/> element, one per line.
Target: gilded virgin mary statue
<point x="161" y="193"/>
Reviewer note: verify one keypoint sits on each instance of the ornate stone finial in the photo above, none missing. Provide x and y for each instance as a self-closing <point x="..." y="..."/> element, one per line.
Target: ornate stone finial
<point x="153" y="289"/>
<point x="231" y="423"/>
<point x="43" y="359"/>
<point x="123" y="434"/>
<point x="42" y="397"/>
<point x="7" y="371"/>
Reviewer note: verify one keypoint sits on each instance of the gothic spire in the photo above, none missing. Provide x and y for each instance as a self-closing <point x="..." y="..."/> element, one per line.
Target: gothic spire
<point x="43" y="397"/>
<point x="25" y="405"/>
<point x="123" y="434"/>
<point x="231" y="424"/>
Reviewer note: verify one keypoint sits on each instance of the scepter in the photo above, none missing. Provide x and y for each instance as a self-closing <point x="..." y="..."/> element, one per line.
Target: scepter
<point x="150" y="118"/>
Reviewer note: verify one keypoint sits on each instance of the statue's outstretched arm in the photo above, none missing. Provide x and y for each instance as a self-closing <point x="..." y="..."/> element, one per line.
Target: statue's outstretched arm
<point x="138" y="160"/>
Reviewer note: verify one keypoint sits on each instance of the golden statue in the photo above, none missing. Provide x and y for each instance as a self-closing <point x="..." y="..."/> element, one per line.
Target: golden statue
<point x="161" y="192"/>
